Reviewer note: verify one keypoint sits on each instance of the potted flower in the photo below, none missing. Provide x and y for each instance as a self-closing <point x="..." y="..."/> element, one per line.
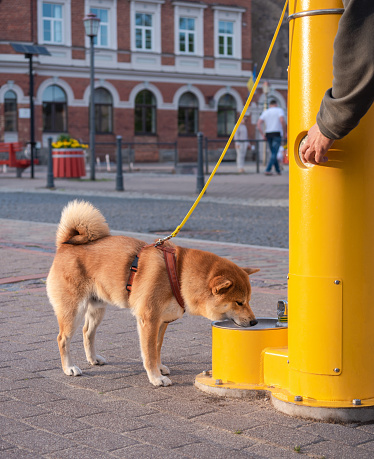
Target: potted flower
<point x="68" y="157"/>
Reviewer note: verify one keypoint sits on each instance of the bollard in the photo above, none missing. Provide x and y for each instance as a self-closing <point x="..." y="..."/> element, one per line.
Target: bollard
<point x="175" y="155"/>
<point x="119" y="176"/>
<point x="200" y="163"/>
<point x="50" y="182"/>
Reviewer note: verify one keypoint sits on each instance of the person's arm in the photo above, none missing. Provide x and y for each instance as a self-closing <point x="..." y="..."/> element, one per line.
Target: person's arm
<point x="352" y="92"/>
<point x="260" y="122"/>
<point x="284" y="126"/>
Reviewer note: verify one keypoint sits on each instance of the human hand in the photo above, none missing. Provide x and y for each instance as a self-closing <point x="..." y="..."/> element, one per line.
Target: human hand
<point x="316" y="145"/>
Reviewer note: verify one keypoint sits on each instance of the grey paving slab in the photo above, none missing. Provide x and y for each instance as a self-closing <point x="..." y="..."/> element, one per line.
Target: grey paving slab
<point x="147" y="452"/>
<point x="202" y="450"/>
<point x="101" y="439"/>
<point x="276" y="434"/>
<point x="55" y="423"/>
<point x="80" y="452"/>
<point x="336" y="450"/>
<point x="266" y="451"/>
<point x="166" y="438"/>
<point x="116" y="421"/>
<point x="344" y="434"/>
<point x="38" y="441"/>
<point x="16" y="453"/>
<point x="9" y="426"/>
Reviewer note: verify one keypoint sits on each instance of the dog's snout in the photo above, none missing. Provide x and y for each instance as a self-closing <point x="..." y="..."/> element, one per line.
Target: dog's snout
<point x="254" y="322"/>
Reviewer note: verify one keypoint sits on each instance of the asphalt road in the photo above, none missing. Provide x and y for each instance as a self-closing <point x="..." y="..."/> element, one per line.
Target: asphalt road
<point x="263" y="226"/>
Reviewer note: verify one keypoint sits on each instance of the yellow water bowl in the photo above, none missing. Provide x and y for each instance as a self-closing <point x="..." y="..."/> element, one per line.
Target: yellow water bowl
<point x="238" y="356"/>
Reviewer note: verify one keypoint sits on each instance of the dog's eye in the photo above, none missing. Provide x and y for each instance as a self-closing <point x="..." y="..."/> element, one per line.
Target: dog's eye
<point x="239" y="303"/>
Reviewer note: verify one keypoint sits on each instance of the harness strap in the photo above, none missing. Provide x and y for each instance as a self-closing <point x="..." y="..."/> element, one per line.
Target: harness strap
<point x="171" y="268"/>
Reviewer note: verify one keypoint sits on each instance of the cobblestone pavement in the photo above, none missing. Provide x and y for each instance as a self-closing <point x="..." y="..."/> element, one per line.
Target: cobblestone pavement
<point x="113" y="411"/>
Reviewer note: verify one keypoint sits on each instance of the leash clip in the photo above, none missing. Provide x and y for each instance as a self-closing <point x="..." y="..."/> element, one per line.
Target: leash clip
<point x="161" y="241"/>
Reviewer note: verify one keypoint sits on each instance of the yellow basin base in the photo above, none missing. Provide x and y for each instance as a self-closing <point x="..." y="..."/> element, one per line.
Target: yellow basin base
<point x="283" y="401"/>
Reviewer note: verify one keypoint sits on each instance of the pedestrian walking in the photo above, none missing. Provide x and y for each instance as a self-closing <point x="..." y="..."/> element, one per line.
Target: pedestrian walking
<point x="241" y="145"/>
<point x="275" y="126"/>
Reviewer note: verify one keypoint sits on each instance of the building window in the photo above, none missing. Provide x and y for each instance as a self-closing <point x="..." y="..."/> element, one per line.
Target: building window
<point x="103" y="111"/>
<point x="10" y="111"/>
<point x="188" y="114"/>
<point x="189" y="28"/>
<point x="143" y="31"/>
<point x="145" y="113"/>
<point x="54" y="110"/>
<point x="52" y="23"/>
<point x="228" y="31"/>
<point x="226" y="38"/>
<point x="102" y="38"/>
<point x="226" y="115"/>
<point x="187" y="35"/>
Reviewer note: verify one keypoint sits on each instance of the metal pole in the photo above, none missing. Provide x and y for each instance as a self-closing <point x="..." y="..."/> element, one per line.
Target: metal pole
<point x="119" y="177"/>
<point x="32" y="122"/>
<point x="50" y="183"/>
<point x="206" y="156"/>
<point x="258" y="156"/>
<point x="200" y="163"/>
<point x="92" y="112"/>
<point x="175" y="155"/>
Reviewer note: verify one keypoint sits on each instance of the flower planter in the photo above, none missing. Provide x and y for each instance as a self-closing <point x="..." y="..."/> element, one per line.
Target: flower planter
<point x="68" y="162"/>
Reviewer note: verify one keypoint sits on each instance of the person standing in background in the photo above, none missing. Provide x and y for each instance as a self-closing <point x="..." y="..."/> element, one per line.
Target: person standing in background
<point x="275" y="125"/>
<point x="241" y="145"/>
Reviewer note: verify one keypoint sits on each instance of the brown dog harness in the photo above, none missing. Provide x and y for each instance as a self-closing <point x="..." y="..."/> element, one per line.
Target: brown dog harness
<point x="171" y="268"/>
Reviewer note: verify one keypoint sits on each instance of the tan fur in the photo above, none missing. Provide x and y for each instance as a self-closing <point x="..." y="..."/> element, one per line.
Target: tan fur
<point x="91" y="269"/>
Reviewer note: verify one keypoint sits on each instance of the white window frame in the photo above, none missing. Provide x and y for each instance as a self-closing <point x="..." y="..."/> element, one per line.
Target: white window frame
<point x="228" y="14"/>
<point x="98" y="41"/>
<point x="152" y="7"/>
<point x="226" y="36"/>
<point x="111" y="7"/>
<point x="193" y="11"/>
<point x="187" y="34"/>
<point x="66" y="22"/>
<point x="143" y="30"/>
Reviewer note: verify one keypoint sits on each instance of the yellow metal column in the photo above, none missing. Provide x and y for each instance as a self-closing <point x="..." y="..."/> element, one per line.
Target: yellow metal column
<point x="331" y="280"/>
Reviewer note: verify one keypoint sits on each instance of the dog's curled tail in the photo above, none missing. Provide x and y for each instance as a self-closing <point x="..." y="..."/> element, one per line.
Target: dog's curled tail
<point x="80" y="223"/>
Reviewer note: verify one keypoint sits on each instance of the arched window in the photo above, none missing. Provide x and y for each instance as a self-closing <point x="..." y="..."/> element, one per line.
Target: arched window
<point x="145" y="113"/>
<point x="54" y="110"/>
<point x="10" y="111"/>
<point x="188" y="114"/>
<point x="226" y="115"/>
<point x="103" y="111"/>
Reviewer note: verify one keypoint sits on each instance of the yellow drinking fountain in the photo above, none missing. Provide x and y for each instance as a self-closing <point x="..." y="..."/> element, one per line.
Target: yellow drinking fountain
<point x="322" y="365"/>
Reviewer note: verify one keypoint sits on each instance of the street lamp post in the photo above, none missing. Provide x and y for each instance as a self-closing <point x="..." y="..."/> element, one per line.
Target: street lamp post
<point x="91" y="25"/>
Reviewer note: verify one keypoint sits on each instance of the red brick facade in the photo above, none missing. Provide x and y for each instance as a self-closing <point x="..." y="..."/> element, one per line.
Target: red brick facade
<point x="123" y="70"/>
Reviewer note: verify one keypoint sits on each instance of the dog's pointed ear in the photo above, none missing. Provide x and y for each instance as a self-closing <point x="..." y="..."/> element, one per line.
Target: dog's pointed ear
<point x="250" y="271"/>
<point x="219" y="283"/>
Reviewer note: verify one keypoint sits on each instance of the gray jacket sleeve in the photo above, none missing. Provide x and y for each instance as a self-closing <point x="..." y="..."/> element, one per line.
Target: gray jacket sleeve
<point x="352" y="91"/>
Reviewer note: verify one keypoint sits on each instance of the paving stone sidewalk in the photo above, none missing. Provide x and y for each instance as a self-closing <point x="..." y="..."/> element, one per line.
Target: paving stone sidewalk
<point x="113" y="411"/>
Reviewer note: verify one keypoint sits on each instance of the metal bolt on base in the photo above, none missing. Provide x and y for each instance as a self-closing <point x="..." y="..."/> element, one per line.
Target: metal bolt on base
<point x="298" y="398"/>
<point x="356" y="402"/>
<point x="218" y="382"/>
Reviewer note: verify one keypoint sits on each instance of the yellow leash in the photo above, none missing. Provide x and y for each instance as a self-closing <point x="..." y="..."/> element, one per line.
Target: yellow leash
<point x="178" y="228"/>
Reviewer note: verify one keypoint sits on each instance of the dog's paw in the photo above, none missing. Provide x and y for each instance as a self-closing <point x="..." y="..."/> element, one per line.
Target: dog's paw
<point x="161" y="381"/>
<point x="97" y="361"/>
<point x="73" y="371"/>
<point x="165" y="381"/>
<point x="164" y="370"/>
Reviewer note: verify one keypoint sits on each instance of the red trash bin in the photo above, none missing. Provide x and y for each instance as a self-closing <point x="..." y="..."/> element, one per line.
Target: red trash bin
<point x="68" y="163"/>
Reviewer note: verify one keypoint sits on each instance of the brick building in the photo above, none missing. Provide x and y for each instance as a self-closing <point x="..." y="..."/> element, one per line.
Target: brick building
<point x="164" y="70"/>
